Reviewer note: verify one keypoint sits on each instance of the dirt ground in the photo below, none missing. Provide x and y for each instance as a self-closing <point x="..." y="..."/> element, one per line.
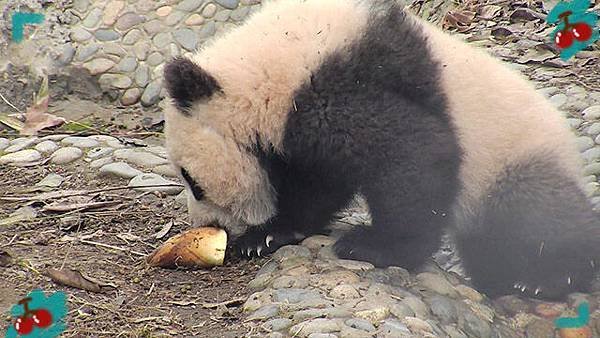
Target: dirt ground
<point x="142" y="301"/>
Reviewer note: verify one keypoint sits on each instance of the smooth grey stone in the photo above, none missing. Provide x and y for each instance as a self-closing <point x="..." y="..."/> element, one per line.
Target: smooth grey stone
<point x="127" y="64"/>
<point x="591" y="113"/>
<point x="240" y="13"/>
<point x="584" y="143"/>
<point x="100" y="162"/>
<point x="128" y="20"/>
<point x="66" y="155"/>
<point x="436" y="283"/>
<point x="20" y="144"/>
<point x="290" y="251"/>
<point x="132" y="37"/>
<point x="151" y="94"/>
<point x="4" y="143"/>
<point x="80" y="142"/>
<point x="118" y="81"/>
<point x="85" y="53"/>
<point x="229" y="4"/>
<point x="222" y="16"/>
<point x="22" y="156"/>
<point x="120" y="169"/>
<point x="361" y="324"/>
<point x="160" y="184"/>
<point x="319" y="325"/>
<point x="51" y="180"/>
<point x="140" y="158"/>
<point x="92" y="19"/>
<point x="189" y="5"/>
<point x="107" y="35"/>
<point x="67" y="54"/>
<point x="475" y="326"/>
<point x="142" y="75"/>
<point x="79" y="34"/>
<point x="46" y="146"/>
<point x="392" y="328"/>
<point x="294" y="295"/>
<point x="207" y="30"/>
<point x="174" y="18"/>
<point x="186" y="38"/>
<point x="155" y="59"/>
<point x="592" y="155"/>
<point x="277" y="324"/>
<point x="98" y="66"/>
<point x="265" y="312"/>
<point x="444" y="309"/>
<point x="162" y="39"/>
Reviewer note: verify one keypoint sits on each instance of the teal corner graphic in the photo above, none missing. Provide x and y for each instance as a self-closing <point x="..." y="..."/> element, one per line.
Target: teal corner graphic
<point x="582" y="319"/>
<point x="38" y="316"/>
<point x="577" y="27"/>
<point x="20" y="19"/>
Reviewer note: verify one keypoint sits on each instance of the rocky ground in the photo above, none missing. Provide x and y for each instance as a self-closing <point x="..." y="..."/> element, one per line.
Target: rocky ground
<point x="97" y="201"/>
<point x="98" y="204"/>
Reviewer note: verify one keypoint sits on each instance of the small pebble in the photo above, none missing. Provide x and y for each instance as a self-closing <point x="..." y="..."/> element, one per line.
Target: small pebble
<point x="51" y="181"/>
<point x="154" y="182"/>
<point x="46" y="147"/>
<point x="120" y="169"/>
<point x="22" y="156"/>
<point x="80" y="142"/>
<point x="66" y="155"/>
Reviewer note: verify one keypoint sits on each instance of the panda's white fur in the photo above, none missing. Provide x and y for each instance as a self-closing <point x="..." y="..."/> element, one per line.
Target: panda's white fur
<point x="256" y="111"/>
<point x="498" y="123"/>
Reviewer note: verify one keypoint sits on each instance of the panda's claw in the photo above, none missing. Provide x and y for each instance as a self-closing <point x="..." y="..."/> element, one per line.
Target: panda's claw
<point x="268" y="240"/>
<point x="259" y="250"/>
<point x="249" y="252"/>
<point x="537" y="291"/>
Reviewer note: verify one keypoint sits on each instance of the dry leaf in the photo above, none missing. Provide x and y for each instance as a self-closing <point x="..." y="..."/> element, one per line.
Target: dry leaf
<point x="19" y="215"/>
<point x="73" y="278"/>
<point x="459" y="19"/>
<point x="525" y="15"/>
<point x="200" y="247"/>
<point x="489" y="12"/>
<point x="501" y="32"/>
<point x="61" y="207"/>
<point x="165" y="229"/>
<point x="36" y="117"/>
<point x="6" y="258"/>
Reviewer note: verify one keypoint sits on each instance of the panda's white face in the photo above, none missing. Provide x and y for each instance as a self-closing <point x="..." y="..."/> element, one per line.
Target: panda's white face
<point x="225" y="185"/>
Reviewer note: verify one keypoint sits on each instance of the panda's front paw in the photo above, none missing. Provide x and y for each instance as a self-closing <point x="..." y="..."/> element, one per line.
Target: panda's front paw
<point x="258" y="242"/>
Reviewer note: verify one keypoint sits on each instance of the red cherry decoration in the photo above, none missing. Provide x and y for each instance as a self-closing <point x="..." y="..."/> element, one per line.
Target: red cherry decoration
<point x="564" y="39"/>
<point x="581" y="31"/>
<point x="24" y="325"/>
<point x="42" y="318"/>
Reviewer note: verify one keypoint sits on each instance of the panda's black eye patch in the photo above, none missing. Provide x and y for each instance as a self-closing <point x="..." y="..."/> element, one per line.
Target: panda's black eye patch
<point x="196" y="189"/>
<point x="186" y="82"/>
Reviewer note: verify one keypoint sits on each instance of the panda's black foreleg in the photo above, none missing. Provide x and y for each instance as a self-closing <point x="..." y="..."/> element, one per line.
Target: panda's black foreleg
<point x="409" y="211"/>
<point x="306" y="203"/>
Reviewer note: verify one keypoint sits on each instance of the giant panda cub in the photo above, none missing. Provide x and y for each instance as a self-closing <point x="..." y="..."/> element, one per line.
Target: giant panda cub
<point x="277" y="124"/>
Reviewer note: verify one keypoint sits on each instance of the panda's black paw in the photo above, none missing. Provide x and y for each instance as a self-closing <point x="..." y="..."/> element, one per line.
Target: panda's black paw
<point x="258" y="242"/>
<point x="383" y="249"/>
<point x="556" y="283"/>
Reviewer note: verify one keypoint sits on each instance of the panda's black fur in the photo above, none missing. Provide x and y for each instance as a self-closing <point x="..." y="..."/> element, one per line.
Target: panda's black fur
<point x="375" y="121"/>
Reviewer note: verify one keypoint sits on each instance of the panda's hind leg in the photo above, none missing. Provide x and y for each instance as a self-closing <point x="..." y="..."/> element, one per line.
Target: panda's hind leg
<point x="534" y="233"/>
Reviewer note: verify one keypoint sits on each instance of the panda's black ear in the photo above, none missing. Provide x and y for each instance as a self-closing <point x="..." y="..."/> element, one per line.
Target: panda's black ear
<point x="186" y="82"/>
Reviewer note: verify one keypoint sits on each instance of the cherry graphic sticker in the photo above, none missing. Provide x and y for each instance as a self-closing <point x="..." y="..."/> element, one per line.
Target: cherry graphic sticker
<point x="576" y="26"/>
<point x="38" y="316"/>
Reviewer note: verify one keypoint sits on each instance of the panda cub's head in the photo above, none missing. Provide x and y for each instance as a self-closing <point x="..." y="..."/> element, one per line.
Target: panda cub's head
<point x="225" y="184"/>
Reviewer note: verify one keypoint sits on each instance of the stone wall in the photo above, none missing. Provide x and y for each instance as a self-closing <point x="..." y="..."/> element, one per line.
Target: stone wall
<point x="120" y="44"/>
